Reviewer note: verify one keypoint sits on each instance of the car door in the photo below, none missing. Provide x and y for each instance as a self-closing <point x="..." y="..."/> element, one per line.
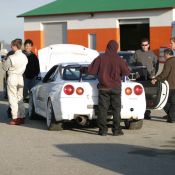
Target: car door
<point x="156" y="95"/>
<point x="44" y="89"/>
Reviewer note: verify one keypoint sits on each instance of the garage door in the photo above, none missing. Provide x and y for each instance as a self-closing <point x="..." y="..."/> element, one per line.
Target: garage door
<point x="132" y="31"/>
<point x="55" y="33"/>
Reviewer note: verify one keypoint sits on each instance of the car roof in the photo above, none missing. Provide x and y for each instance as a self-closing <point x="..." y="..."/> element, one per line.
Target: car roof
<point x="73" y="63"/>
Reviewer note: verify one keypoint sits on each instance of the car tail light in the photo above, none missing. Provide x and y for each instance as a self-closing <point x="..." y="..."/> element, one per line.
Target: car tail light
<point x="128" y="91"/>
<point x="138" y="90"/>
<point x="79" y="90"/>
<point x="68" y="89"/>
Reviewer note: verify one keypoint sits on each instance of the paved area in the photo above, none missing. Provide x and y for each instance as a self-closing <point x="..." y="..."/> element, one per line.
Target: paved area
<point x="30" y="149"/>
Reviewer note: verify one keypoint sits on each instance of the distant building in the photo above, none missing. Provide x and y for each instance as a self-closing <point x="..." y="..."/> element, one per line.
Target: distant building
<point x="93" y="23"/>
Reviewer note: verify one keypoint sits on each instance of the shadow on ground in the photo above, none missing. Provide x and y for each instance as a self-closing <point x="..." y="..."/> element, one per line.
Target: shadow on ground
<point x="123" y="159"/>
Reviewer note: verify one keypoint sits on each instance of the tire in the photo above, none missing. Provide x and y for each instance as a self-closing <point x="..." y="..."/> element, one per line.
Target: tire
<point x="32" y="114"/>
<point x="133" y="124"/>
<point x="147" y="115"/>
<point x="52" y="124"/>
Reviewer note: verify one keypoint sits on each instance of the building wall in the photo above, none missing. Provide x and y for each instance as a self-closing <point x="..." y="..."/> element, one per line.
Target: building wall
<point x="80" y="36"/>
<point x="106" y="26"/>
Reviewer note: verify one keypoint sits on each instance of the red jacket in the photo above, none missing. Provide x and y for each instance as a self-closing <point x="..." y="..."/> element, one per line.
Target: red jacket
<point x="109" y="67"/>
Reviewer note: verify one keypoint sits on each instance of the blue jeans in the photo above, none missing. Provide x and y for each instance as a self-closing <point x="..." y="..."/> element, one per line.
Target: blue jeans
<point x="28" y="85"/>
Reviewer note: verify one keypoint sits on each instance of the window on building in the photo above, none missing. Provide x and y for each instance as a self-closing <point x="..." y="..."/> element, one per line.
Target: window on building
<point x="55" y="33"/>
<point x="92" y="41"/>
<point x="132" y="31"/>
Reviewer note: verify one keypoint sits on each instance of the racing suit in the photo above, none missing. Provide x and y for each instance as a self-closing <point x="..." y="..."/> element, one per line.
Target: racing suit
<point x="15" y="66"/>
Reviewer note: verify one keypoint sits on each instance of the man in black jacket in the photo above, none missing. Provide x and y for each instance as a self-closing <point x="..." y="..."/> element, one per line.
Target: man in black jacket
<point x="32" y="68"/>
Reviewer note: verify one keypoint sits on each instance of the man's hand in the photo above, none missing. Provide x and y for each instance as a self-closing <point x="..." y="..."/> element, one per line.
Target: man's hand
<point x="153" y="81"/>
<point x="84" y="70"/>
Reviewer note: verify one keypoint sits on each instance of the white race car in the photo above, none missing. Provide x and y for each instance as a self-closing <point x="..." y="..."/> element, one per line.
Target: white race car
<point x="66" y="93"/>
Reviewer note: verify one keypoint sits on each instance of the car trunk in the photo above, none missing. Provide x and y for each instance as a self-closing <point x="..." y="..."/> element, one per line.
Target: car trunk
<point x="152" y="93"/>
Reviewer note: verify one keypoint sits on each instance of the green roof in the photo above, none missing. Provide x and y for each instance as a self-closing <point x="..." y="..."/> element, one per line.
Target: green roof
<point x="60" y="7"/>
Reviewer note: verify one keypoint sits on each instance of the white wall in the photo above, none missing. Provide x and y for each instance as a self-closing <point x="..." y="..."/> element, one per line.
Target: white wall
<point x="157" y="18"/>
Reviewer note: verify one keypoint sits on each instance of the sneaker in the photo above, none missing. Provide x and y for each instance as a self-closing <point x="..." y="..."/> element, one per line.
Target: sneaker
<point x="118" y="133"/>
<point x="15" y="121"/>
<point x="147" y="115"/>
<point x="169" y="120"/>
<point x="21" y="120"/>
<point x="147" y="118"/>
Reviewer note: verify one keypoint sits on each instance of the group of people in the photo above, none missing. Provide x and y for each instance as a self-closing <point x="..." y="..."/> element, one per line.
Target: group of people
<point x="110" y="68"/>
<point x="22" y="67"/>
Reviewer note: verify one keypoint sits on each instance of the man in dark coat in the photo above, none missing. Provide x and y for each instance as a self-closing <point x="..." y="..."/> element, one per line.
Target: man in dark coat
<point x="168" y="73"/>
<point x="109" y="68"/>
<point x="32" y="68"/>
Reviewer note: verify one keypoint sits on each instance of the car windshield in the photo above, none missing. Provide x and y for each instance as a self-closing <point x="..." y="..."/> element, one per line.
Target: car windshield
<point x="74" y="72"/>
<point x="128" y="56"/>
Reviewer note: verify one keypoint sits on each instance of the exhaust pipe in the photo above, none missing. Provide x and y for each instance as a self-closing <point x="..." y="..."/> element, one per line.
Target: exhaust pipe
<point x="81" y="120"/>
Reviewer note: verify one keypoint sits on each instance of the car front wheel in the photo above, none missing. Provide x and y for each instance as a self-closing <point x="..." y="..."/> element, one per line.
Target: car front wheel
<point x="52" y="124"/>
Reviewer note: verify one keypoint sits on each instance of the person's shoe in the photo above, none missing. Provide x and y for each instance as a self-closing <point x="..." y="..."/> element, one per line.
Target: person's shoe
<point x="147" y="115"/>
<point x="102" y="132"/>
<point x="21" y="120"/>
<point x="118" y="133"/>
<point x="15" y="121"/>
<point x="147" y="118"/>
<point x="169" y="120"/>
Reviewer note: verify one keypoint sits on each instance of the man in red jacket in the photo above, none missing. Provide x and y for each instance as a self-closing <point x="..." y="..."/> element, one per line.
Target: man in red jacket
<point x="109" y="68"/>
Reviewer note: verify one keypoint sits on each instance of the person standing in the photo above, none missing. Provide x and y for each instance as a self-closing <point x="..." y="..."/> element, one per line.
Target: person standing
<point x="168" y="73"/>
<point x="109" y="68"/>
<point x="172" y="44"/>
<point x="145" y="57"/>
<point x="32" y="68"/>
<point x="15" y="66"/>
<point x="6" y="75"/>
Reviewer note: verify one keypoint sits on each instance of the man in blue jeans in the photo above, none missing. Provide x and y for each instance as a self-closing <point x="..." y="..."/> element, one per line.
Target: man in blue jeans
<point x="109" y="68"/>
<point x="32" y="68"/>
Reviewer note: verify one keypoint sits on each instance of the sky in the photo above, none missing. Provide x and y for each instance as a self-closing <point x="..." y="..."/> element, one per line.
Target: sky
<point x="12" y="27"/>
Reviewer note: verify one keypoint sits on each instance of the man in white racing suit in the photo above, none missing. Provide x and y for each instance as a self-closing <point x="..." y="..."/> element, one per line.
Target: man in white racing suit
<point x="15" y="66"/>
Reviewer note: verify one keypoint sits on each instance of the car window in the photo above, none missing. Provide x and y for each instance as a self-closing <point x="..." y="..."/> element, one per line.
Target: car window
<point x="74" y="73"/>
<point x="51" y="74"/>
<point x="128" y="57"/>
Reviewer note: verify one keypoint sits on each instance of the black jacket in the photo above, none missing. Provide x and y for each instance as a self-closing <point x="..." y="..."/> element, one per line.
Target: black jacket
<point x="32" y="68"/>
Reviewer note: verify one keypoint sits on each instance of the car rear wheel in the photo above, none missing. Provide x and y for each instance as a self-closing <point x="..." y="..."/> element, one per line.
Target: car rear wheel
<point x="133" y="124"/>
<point x="52" y="124"/>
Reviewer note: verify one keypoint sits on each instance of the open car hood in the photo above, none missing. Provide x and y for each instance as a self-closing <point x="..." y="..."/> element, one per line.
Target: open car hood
<point x="64" y="53"/>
